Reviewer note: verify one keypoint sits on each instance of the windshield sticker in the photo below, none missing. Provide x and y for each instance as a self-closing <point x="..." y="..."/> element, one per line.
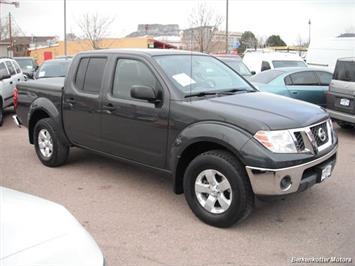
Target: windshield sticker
<point x="183" y="79"/>
<point x="41" y="74"/>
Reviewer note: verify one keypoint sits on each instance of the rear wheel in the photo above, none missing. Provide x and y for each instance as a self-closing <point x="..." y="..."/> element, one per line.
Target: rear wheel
<point x="217" y="189"/>
<point x="49" y="148"/>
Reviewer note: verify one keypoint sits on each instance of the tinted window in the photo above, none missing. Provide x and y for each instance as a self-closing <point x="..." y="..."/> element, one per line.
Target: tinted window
<point x="3" y="70"/>
<point x="288" y="63"/>
<point x="130" y="73"/>
<point x="10" y="68"/>
<point x="345" y="70"/>
<point x="288" y="80"/>
<point x="25" y="63"/>
<point x="80" y="74"/>
<point x="94" y="75"/>
<point x="304" y="78"/>
<point x="265" y="66"/>
<point x="266" y="76"/>
<point x="324" y="77"/>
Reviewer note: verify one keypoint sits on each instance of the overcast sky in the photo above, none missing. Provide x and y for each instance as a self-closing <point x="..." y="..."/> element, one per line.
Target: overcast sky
<point x="287" y="18"/>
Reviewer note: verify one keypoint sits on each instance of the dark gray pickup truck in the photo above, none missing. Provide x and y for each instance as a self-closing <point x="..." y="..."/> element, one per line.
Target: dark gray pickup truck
<point x="185" y="114"/>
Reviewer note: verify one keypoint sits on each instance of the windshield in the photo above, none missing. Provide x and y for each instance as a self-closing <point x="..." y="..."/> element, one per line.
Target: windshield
<point x="25" y="63"/>
<point x="238" y="66"/>
<point x="288" y="63"/>
<point x="53" y="69"/>
<point x="198" y="73"/>
<point x="266" y="77"/>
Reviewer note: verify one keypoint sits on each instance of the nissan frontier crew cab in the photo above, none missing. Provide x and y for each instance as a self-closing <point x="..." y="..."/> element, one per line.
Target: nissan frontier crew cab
<point x="188" y="115"/>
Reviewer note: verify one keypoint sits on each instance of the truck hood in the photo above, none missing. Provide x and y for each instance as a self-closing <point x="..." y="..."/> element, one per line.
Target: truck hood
<point x="260" y="111"/>
<point x="34" y="230"/>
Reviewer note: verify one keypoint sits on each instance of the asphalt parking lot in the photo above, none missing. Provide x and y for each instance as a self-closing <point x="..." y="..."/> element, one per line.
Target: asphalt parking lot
<point x="137" y="220"/>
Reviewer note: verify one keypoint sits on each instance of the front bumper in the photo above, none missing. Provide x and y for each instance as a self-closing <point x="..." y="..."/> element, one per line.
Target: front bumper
<point x="267" y="181"/>
<point x="346" y="117"/>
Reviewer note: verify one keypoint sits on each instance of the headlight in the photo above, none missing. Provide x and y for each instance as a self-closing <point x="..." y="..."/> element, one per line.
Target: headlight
<point x="279" y="141"/>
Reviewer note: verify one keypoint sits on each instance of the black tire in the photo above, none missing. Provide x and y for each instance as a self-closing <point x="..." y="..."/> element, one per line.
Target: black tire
<point x="60" y="151"/>
<point x="242" y="200"/>
<point x="1" y="113"/>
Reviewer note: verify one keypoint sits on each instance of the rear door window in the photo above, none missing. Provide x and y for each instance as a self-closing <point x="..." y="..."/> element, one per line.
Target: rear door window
<point x="305" y="78"/>
<point x="10" y="67"/>
<point x="17" y="67"/>
<point x="345" y="71"/>
<point x="90" y="74"/>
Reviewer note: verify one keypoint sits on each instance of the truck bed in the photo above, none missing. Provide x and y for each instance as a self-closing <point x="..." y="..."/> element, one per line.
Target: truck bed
<point x="28" y="92"/>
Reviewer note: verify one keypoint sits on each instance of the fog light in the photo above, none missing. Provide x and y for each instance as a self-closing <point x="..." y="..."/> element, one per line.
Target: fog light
<point x="285" y="183"/>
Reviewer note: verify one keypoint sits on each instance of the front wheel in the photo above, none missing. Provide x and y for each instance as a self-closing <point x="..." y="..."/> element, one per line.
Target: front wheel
<point x="49" y="148"/>
<point x="217" y="189"/>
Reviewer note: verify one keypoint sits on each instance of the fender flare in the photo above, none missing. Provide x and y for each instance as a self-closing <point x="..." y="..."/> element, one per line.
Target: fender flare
<point x="226" y="135"/>
<point x="48" y="107"/>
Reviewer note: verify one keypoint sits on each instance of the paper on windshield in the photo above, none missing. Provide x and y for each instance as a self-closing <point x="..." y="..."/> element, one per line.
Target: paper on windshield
<point x="41" y="74"/>
<point x="183" y="79"/>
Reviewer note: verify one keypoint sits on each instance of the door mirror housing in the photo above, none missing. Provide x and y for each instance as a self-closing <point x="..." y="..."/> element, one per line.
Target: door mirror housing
<point x="5" y="76"/>
<point x="252" y="72"/>
<point x="144" y="93"/>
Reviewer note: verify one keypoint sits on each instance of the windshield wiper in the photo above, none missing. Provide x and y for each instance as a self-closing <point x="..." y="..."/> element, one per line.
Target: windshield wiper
<point x="201" y="94"/>
<point x="232" y="91"/>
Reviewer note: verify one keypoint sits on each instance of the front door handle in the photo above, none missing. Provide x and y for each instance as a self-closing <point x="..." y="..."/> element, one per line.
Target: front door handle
<point x="295" y="92"/>
<point x="71" y="100"/>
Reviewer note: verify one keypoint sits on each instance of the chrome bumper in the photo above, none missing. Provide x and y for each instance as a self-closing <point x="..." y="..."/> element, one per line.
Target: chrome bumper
<point x="342" y="116"/>
<point x="267" y="181"/>
<point x="16" y="120"/>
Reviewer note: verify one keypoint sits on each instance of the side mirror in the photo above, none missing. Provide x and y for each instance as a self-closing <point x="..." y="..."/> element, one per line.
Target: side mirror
<point x="28" y="75"/>
<point x="5" y="76"/>
<point x="144" y="93"/>
<point x="252" y="72"/>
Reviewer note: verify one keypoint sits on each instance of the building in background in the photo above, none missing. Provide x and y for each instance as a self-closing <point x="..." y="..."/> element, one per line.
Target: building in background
<point x="22" y="44"/>
<point x="4" y="49"/>
<point x="46" y="52"/>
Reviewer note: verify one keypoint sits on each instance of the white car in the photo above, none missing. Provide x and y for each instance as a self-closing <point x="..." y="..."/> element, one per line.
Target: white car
<point x="35" y="231"/>
<point x="260" y="61"/>
<point x="10" y="75"/>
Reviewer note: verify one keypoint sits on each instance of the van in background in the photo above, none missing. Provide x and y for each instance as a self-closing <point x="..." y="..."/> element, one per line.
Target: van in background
<point x="260" y="61"/>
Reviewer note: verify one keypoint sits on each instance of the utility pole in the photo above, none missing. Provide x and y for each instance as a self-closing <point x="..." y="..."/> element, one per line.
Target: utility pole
<point x="15" y="3"/>
<point x="65" y="28"/>
<point x="10" y="34"/>
<point x="227" y="2"/>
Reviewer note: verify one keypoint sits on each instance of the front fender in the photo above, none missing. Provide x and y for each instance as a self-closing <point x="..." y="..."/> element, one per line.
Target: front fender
<point x="223" y="134"/>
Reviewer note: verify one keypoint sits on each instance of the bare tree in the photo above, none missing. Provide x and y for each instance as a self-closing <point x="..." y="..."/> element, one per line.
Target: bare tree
<point x="95" y="28"/>
<point x="204" y="24"/>
<point x="4" y="30"/>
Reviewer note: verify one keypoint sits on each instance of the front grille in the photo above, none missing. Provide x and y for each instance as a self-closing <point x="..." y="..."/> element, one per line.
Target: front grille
<point x="299" y="141"/>
<point x="320" y="133"/>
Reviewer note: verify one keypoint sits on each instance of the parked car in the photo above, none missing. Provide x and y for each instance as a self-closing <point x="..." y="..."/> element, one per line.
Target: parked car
<point x="341" y="96"/>
<point x="28" y="65"/>
<point x="53" y="68"/>
<point x="306" y="84"/>
<point x="261" y="61"/>
<point x="10" y="75"/>
<point x="236" y="63"/>
<point x="35" y="231"/>
<point x="187" y="115"/>
<point x="324" y="53"/>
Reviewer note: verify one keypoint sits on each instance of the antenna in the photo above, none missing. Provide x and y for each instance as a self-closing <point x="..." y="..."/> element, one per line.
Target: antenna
<point x="192" y="34"/>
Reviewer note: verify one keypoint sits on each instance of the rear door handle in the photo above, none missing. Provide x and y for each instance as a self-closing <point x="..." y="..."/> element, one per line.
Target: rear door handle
<point x="11" y="82"/>
<point x="295" y="92"/>
<point x="71" y="100"/>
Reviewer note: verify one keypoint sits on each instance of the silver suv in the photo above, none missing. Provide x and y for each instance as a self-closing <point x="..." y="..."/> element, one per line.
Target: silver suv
<point x="341" y="95"/>
<point x="10" y="75"/>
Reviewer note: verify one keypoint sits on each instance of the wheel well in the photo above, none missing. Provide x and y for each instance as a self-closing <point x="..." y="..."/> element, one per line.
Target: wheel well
<point x="36" y="116"/>
<point x="188" y="155"/>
